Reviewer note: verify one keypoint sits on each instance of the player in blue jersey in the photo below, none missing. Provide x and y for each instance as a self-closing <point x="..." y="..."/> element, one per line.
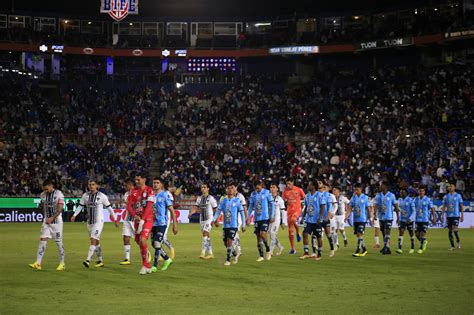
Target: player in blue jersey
<point x="261" y="204"/>
<point x="360" y="205"/>
<point x="452" y="205"/>
<point x="161" y="207"/>
<point x="406" y="204"/>
<point x="385" y="203"/>
<point x="423" y="206"/>
<point x="313" y="206"/>
<point x="232" y="209"/>
<point x="324" y="216"/>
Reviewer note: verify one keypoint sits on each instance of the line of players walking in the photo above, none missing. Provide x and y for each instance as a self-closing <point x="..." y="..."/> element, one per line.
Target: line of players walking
<point x="150" y="211"/>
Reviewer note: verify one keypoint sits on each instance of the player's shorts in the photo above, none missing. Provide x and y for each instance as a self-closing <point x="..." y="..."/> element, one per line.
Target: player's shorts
<point x="385" y="225"/>
<point x="229" y="233"/>
<point x="261" y="226"/>
<point x="274" y="227"/>
<point x="408" y="226"/>
<point x="158" y="233"/>
<point x="422" y="226"/>
<point x="359" y="227"/>
<point x="339" y="222"/>
<point x="95" y="230"/>
<point x="313" y="228"/>
<point x="453" y="221"/>
<point x="325" y="224"/>
<point x="128" y="228"/>
<point x="54" y="231"/>
<point x="206" y="226"/>
<point x="146" y="230"/>
<point x="293" y="215"/>
<point x="377" y="223"/>
<point x="332" y="223"/>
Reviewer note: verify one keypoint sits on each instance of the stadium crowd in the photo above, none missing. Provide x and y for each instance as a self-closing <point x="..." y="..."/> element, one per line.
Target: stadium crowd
<point x="402" y="125"/>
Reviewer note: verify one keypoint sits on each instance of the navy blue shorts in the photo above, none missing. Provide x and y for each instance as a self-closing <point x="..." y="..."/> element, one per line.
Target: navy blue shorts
<point x="453" y="221"/>
<point x="326" y="224"/>
<point x="157" y="233"/>
<point x="407" y="226"/>
<point x="359" y="227"/>
<point x="422" y="226"/>
<point x="229" y="233"/>
<point x="313" y="228"/>
<point x="261" y="226"/>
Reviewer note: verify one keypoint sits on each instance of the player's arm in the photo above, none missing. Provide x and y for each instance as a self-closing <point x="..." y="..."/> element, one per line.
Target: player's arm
<point x="173" y="217"/>
<point x="129" y="207"/>
<point x="284" y="217"/>
<point x="271" y="207"/>
<point x="303" y="213"/>
<point x="411" y="217"/>
<point x="216" y="215"/>
<point x="461" y="208"/>
<point x="433" y="213"/>
<point x="59" y="210"/>
<point x="242" y="216"/>
<point x="397" y="209"/>
<point x="348" y="210"/>
<point x="321" y="212"/>
<point x="107" y="206"/>
<point x="443" y="209"/>
<point x="194" y="208"/>
<point x="79" y="208"/>
<point x="251" y="209"/>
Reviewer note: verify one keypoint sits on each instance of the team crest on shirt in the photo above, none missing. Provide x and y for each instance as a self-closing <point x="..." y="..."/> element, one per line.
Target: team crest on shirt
<point x="144" y="195"/>
<point x="233" y="204"/>
<point x="263" y="197"/>
<point x="160" y="199"/>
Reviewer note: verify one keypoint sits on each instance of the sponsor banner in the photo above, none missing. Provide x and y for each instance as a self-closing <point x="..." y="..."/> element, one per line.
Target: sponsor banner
<point x="181" y="215"/>
<point x="294" y="50"/>
<point x="20" y="215"/>
<point x="384" y="43"/>
<point x="119" y="9"/>
<point x="459" y="34"/>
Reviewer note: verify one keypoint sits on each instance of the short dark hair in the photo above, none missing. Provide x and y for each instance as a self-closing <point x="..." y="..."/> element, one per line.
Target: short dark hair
<point x="47" y="182"/>
<point x="93" y="180"/>
<point x="290" y="180"/>
<point x="337" y="187"/>
<point x="128" y="180"/>
<point x="358" y="186"/>
<point x="257" y="182"/>
<point x="141" y="174"/>
<point x="232" y="183"/>
<point x="422" y="187"/>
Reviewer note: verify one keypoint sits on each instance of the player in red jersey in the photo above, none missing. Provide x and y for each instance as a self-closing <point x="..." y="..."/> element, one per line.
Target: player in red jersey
<point x="292" y="196"/>
<point x="140" y="207"/>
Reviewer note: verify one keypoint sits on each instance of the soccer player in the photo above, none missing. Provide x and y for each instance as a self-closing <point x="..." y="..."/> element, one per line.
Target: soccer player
<point x="243" y="202"/>
<point x="360" y="205"/>
<point x="140" y="207"/>
<point x="128" y="226"/>
<point x="376" y="226"/>
<point x="385" y="202"/>
<point x="293" y="196"/>
<point x="261" y="203"/>
<point x="166" y="240"/>
<point x="407" y="219"/>
<point x="314" y="205"/>
<point x="332" y="211"/>
<point x="452" y="204"/>
<point x="423" y="206"/>
<point x="163" y="204"/>
<point x="206" y="205"/>
<point x="275" y="226"/>
<point x="339" y="218"/>
<point x="94" y="202"/>
<point x="52" y="203"/>
<point x="326" y="214"/>
<point x="231" y="207"/>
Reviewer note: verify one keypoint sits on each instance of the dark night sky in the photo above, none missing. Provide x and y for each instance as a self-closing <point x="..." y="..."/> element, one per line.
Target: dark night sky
<point x="208" y="8"/>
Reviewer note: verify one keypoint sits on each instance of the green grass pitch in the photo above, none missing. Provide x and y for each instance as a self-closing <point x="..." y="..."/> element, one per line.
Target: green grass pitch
<point x="435" y="282"/>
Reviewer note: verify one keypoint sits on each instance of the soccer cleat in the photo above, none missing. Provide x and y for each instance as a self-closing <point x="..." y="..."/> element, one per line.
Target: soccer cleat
<point x="154" y="269"/>
<point x="99" y="264"/>
<point x="268" y="256"/>
<point x="313" y="255"/>
<point x="125" y="262"/>
<point x="425" y="245"/>
<point x="459" y="245"/>
<point x="227" y="263"/>
<point x="388" y="251"/>
<point x="292" y="252"/>
<point x="236" y="258"/>
<point x="420" y="251"/>
<point x="280" y="250"/>
<point x="346" y="243"/>
<point x="317" y="258"/>
<point x="364" y="252"/>
<point x="399" y="251"/>
<point x="356" y="254"/>
<point x="172" y="253"/>
<point x="377" y="246"/>
<point x="451" y="248"/>
<point x="202" y="256"/>
<point x="35" y="266"/>
<point x="86" y="263"/>
<point x="411" y="251"/>
<point x="148" y="256"/>
<point x="304" y="256"/>
<point x="336" y="247"/>
<point x="61" y="267"/>
<point x="260" y="259"/>
<point x="144" y="270"/>
<point x="331" y="253"/>
<point x="167" y="264"/>
<point x="210" y="256"/>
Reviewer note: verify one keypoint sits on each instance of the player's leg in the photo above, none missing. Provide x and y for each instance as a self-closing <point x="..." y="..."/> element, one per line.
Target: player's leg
<point x="291" y="235"/>
<point x="387" y="226"/>
<point x="127" y="233"/>
<point x="306" y="234"/>
<point x="296" y="215"/>
<point x="98" y="249"/>
<point x="259" y="241"/>
<point x="411" y="229"/>
<point x="455" y="226"/>
<point x="359" y="230"/>
<point x="401" y="231"/>
<point x="377" y="233"/>
<point x="206" y="241"/>
<point x="167" y="242"/>
<point x="273" y="237"/>
<point x="450" y="234"/>
<point x="335" y="239"/>
<point x="327" y="231"/>
<point x="44" y="235"/>
<point x="318" y="231"/>
<point x="228" y="242"/>
<point x="57" y="231"/>
<point x="341" y="228"/>
<point x="142" y="241"/>
<point x="423" y="228"/>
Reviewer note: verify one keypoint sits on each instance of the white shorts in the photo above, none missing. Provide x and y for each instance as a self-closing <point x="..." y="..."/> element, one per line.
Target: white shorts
<point x="339" y="222"/>
<point x="54" y="231"/>
<point x="274" y="227"/>
<point x="128" y="228"/>
<point x="332" y="223"/>
<point x="377" y="223"/>
<point x="95" y="230"/>
<point x="206" y="226"/>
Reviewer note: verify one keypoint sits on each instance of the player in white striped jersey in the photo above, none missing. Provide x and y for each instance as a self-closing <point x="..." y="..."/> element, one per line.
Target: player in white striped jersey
<point x="206" y="205"/>
<point x="332" y="209"/>
<point x="280" y="219"/>
<point x="128" y="228"/>
<point x="340" y="216"/>
<point x="243" y="202"/>
<point x="94" y="202"/>
<point x="52" y="204"/>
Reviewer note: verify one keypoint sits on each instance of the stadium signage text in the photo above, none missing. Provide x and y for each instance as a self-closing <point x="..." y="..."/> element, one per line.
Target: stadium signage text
<point x="20" y="215"/>
<point x="119" y="9"/>
<point x="385" y="43"/>
<point x="294" y="50"/>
